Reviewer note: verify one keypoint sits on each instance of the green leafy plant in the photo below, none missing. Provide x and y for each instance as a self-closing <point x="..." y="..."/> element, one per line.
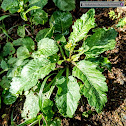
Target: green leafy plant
<point x="3" y="30"/>
<point x="59" y="60"/>
<point x="113" y="15"/>
<point x="37" y="15"/>
<point x="121" y="21"/>
<point x="18" y="6"/>
<point x="65" y="5"/>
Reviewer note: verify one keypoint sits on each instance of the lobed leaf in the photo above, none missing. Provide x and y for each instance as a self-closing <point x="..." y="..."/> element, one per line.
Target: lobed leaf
<point x="102" y="40"/>
<point x="82" y="26"/>
<point x="94" y="87"/>
<point x="67" y="96"/>
<point x="31" y="72"/>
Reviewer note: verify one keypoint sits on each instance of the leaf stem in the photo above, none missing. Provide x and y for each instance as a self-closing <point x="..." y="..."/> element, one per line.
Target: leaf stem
<point x="8" y="36"/>
<point x="67" y="73"/>
<point x="74" y="63"/>
<point x="5" y="32"/>
<point x="61" y="50"/>
<point x="3" y="71"/>
<point x="48" y="32"/>
<point x="44" y="120"/>
<point x="52" y="82"/>
<point x="71" y="51"/>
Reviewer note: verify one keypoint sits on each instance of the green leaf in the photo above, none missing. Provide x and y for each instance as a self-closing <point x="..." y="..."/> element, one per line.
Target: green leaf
<point x="7" y="4"/>
<point x="31" y="121"/>
<point x="31" y="72"/>
<point x="94" y="87"/>
<point x="21" y="62"/>
<point x="102" y="40"/>
<point x="44" y="33"/>
<point x="28" y="121"/>
<point x="9" y="98"/>
<point x="101" y="62"/>
<point x="67" y="96"/>
<point x="32" y="8"/>
<point x="3" y="17"/>
<point x="23" y="14"/>
<point x="60" y="38"/>
<point x="12" y="60"/>
<point x="47" y="109"/>
<point x="31" y="106"/>
<point x="14" y="9"/>
<point x="65" y="5"/>
<point x="47" y="88"/>
<point x="15" y="71"/>
<point x="18" y="42"/>
<point x="21" y="31"/>
<point x="8" y="49"/>
<point x="16" y="85"/>
<point x="39" y="3"/>
<point x="47" y="47"/>
<point x="40" y="17"/>
<point x="122" y="22"/>
<point x="81" y="27"/>
<point x="22" y="53"/>
<point x="17" y="67"/>
<point x="54" y="58"/>
<point x="61" y="21"/>
<point x="4" y="65"/>
<point x="5" y="82"/>
<point x="56" y="122"/>
<point x="45" y="95"/>
<point x="27" y="42"/>
<point x="45" y="103"/>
